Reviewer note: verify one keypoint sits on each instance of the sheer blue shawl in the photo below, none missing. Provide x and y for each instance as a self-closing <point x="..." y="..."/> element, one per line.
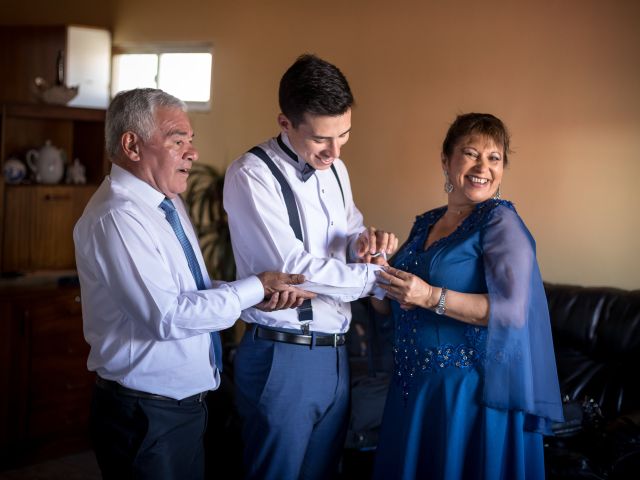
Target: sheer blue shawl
<point x="520" y="370"/>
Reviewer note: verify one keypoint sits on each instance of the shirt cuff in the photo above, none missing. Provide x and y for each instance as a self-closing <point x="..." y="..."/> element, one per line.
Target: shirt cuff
<point x="249" y="290"/>
<point x="371" y="288"/>
<point x="378" y="293"/>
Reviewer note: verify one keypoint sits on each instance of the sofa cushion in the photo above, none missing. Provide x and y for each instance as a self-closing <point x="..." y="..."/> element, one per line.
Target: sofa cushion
<point x="596" y="333"/>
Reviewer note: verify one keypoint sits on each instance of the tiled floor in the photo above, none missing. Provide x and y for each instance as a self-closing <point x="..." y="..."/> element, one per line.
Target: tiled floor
<point x="81" y="466"/>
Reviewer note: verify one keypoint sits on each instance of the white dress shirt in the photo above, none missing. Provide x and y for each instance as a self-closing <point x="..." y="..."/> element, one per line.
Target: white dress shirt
<point x="262" y="238"/>
<point x="144" y="318"/>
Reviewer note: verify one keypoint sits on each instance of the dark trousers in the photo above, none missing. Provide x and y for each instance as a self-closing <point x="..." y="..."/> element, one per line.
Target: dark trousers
<point x="293" y="401"/>
<point x="137" y="438"/>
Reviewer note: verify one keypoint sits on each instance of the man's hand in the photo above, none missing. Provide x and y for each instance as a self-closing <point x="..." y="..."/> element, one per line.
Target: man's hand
<point x="372" y="244"/>
<point x="279" y="292"/>
<point x="292" y="298"/>
<point x="279" y="282"/>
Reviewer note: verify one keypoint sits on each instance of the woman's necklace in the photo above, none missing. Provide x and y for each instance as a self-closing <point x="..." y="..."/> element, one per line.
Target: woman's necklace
<point x="455" y="216"/>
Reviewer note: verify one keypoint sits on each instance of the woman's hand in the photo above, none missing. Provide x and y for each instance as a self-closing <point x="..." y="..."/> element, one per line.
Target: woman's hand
<point x="411" y="291"/>
<point x="407" y="289"/>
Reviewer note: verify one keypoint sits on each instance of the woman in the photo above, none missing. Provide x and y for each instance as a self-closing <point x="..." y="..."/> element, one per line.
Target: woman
<point x="475" y="379"/>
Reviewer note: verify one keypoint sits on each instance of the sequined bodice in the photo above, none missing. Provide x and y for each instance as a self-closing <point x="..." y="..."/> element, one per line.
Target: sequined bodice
<point x="426" y="343"/>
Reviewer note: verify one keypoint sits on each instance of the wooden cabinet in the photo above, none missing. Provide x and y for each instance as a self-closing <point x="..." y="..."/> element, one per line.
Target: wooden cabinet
<point x="36" y="221"/>
<point x="38" y="225"/>
<point x="45" y="388"/>
<point x="30" y="52"/>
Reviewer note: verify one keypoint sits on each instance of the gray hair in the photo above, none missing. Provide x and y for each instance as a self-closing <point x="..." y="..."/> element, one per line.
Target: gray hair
<point x="133" y="111"/>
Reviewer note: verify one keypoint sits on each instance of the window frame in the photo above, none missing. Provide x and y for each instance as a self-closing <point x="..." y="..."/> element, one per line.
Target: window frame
<point x="159" y="49"/>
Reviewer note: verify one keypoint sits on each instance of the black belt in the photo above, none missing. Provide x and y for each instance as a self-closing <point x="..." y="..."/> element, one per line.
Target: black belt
<point x="321" y="339"/>
<point x="115" y="387"/>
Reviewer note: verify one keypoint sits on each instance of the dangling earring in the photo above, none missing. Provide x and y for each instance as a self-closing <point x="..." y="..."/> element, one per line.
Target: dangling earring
<point x="448" y="186"/>
<point x="497" y="196"/>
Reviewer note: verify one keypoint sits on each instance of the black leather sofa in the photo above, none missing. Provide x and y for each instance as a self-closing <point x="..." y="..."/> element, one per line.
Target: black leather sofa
<point x="596" y="334"/>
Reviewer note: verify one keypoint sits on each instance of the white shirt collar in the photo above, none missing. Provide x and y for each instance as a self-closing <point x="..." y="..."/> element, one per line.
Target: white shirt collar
<point x="140" y="188"/>
<point x="300" y="163"/>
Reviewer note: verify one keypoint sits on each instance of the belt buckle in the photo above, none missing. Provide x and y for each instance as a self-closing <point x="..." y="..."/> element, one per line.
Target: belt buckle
<point x="335" y="340"/>
<point x="305" y="328"/>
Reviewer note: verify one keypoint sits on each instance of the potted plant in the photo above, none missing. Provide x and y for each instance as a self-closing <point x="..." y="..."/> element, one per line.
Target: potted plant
<point x="204" y="201"/>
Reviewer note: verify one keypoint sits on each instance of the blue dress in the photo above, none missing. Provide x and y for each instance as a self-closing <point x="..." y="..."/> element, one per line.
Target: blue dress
<point x="471" y="402"/>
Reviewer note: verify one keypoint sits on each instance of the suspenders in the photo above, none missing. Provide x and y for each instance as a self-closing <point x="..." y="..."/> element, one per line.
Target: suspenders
<point x="305" y="311"/>
<point x="289" y="199"/>
<point x="335" y="174"/>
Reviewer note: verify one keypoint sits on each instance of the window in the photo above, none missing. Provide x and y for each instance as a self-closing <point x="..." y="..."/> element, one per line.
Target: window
<point x="183" y="71"/>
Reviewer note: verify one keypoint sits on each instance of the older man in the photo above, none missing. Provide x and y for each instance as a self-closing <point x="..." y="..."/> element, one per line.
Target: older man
<point x="151" y="314"/>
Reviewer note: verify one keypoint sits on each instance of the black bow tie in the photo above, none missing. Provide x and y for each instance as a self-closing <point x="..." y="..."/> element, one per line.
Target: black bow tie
<point x="307" y="170"/>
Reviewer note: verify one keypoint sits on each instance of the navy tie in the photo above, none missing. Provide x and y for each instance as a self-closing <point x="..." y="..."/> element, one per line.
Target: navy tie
<point x="174" y="221"/>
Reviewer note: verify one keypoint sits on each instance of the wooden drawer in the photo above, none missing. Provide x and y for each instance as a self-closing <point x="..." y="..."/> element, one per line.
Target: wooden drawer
<point x="56" y="308"/>
<point x="58" y="350"/>
<point x="59" y="376"/>
<point x="52" y="394"/>
<point x="55" y="326"/>
<point x="60" y="346"/>
<point x="59" y="418"/>
<point x="63" y="338"/>
<point x="38" y="226"/>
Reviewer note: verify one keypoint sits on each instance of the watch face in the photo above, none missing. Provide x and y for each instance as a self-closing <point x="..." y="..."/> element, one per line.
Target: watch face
<point x="440" y="307"/>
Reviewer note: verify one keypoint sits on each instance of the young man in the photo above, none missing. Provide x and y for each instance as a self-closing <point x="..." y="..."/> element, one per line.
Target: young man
<point x="151" y="315"/>
<point x="290" y="208"/>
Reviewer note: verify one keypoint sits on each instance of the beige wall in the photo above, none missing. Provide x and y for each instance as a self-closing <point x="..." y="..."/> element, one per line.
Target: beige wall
<point x="563" y="75"/>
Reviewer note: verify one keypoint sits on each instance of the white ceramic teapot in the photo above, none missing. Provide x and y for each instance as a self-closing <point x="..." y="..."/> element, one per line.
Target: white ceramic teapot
<point x="47" y="163"/>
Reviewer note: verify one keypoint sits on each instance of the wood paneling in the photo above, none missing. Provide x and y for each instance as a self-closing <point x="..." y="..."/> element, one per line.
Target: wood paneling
<point x="39" y="222"/>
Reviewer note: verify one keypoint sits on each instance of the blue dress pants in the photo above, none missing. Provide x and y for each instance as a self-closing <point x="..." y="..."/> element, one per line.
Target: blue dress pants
<point x="294" y="401"/>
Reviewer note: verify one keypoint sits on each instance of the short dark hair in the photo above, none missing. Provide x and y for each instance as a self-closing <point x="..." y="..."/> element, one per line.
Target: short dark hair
<point x="312" y="85"/>
<point x="480" y="124"/>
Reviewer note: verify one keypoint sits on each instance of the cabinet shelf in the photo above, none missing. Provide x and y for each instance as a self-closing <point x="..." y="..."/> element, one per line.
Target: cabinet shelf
<point x="36" y="220"/>
<point x="55" y="112"/>
<point x="79" y="132"/>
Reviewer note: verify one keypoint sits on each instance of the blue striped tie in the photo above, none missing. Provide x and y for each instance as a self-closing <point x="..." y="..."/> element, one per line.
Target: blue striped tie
<point x="174" y="221"/>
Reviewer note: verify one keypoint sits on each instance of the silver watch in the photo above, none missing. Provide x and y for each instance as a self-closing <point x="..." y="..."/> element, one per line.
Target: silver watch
<point x="440" y="306"/>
